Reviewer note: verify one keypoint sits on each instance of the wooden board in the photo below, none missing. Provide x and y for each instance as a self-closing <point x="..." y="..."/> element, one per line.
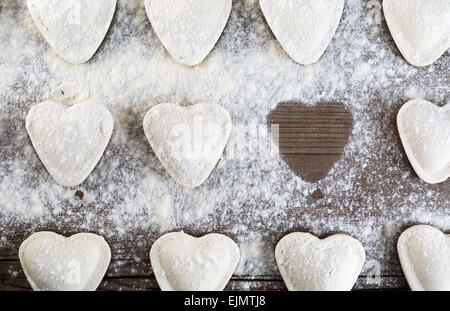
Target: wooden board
<point x="311" y="139"/>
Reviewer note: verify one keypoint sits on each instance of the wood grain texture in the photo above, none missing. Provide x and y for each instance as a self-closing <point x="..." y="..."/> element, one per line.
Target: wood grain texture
<point x="311" y="139"/>
<point x="134" y="272"/>
<point x="311" y="136"/>
<point x="147" y="282"/>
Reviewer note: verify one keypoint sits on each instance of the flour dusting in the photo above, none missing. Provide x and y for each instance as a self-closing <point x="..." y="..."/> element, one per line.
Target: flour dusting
<point x="188" y="29"/>
<point x="372" y="193"/>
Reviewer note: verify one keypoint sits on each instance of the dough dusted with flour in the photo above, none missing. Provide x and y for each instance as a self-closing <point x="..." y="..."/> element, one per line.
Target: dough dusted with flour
<point x="69" y="140"/>
<point x="424" y="129"/>
<point x="181" y="262"/>
<point x="188" y="141"/>
<point x="73" y="28"/>
<point x="52" y="262"/>
<point x="188" y="29"/>
<point x="420" y="28"/>
<point x="304" y="28"/>
<point x="307" y="263"/>
<point x="424" y="253"/>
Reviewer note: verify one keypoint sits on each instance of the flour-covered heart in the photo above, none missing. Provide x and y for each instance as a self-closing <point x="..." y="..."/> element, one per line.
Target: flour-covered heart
<point x="188" y="29"/>
<point x="304" y="28"/>
<point x="52" y="262"/>
<point x="424" y="253"/>
<point x="420" y="28"/>
<point x="188" y="141"/>
<point x="69" y="140"/>
<point x="181" y="262"/>
<point x="307" y="263"/>
<point x="424" y="129"/>
<point x="73" y="28"/>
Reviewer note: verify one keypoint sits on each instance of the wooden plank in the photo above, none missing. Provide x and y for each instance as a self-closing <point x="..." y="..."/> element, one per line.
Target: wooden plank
<point x="311" y="138"/>
<point x="12" y="278"/>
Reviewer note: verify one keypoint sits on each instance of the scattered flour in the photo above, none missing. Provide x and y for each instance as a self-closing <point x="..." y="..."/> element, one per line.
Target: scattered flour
<point x="361" y="71"/>
<point x="372" y="193"/>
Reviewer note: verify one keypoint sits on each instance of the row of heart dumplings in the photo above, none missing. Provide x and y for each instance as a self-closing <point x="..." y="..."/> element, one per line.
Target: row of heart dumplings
<point x="189" y="38"/>
<point x="190" y="29"/>
<point x="70" y="140"/>
<point x="189" y="141"/>
<point x="181" y="262"/>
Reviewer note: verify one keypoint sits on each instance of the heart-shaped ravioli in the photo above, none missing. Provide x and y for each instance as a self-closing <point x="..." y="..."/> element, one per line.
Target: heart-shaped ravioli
<point x="73" y="28"/>
<point x="188" y="29"/>
<point x="188" y="141"/>
<point x="424" y="253"/>
<point x="307" y="263"/>
<point x="69" y="140"/>
<point x="424" y="129"/>
<point x="304" y="28"/>
<point x="181" y="262"/>
<point x="420" y="28"/>
<point x="52" y="262"/>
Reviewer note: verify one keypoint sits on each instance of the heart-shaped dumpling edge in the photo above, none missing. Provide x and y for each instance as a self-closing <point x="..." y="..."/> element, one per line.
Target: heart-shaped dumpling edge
<point x="407" y="266"/>
<point x="95" y="280"/>
<point x="200" y="57"/>
<point x="402" y="42"/>
<point x="265" y="4"/>
<point x="305" y="236"/>
<point x="158" y="269"/>
<point x="74" y="57"/>
<point x="192" y="183"/>
<point x="426" y="176"/>
<point x="45" y="157"/>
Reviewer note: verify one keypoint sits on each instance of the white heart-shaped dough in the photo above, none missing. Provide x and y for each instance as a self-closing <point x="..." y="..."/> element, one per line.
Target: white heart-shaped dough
<point x="304" y="28"/>
<point x="424" y="253"/>
<point x="69" y="140"/>
<point x="73" y="28"/>
<point x="188" y="141"/>
<point x="188" y="29"/>
<point x="424" y="129"/>
<point x="181" y="262"/>
<point x="420" y="28"/>
<point x="52" y="262"/>
<point x="308" y="263"/>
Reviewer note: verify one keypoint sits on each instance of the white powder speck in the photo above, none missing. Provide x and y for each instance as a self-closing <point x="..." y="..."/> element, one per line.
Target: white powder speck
<point x="361" y="70"/>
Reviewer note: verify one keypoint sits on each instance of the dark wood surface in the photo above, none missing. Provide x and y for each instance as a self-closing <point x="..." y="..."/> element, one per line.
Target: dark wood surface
<point x="129" y="280"/>
<point x="311" y="141"/>
<point x="126" y="273"/>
